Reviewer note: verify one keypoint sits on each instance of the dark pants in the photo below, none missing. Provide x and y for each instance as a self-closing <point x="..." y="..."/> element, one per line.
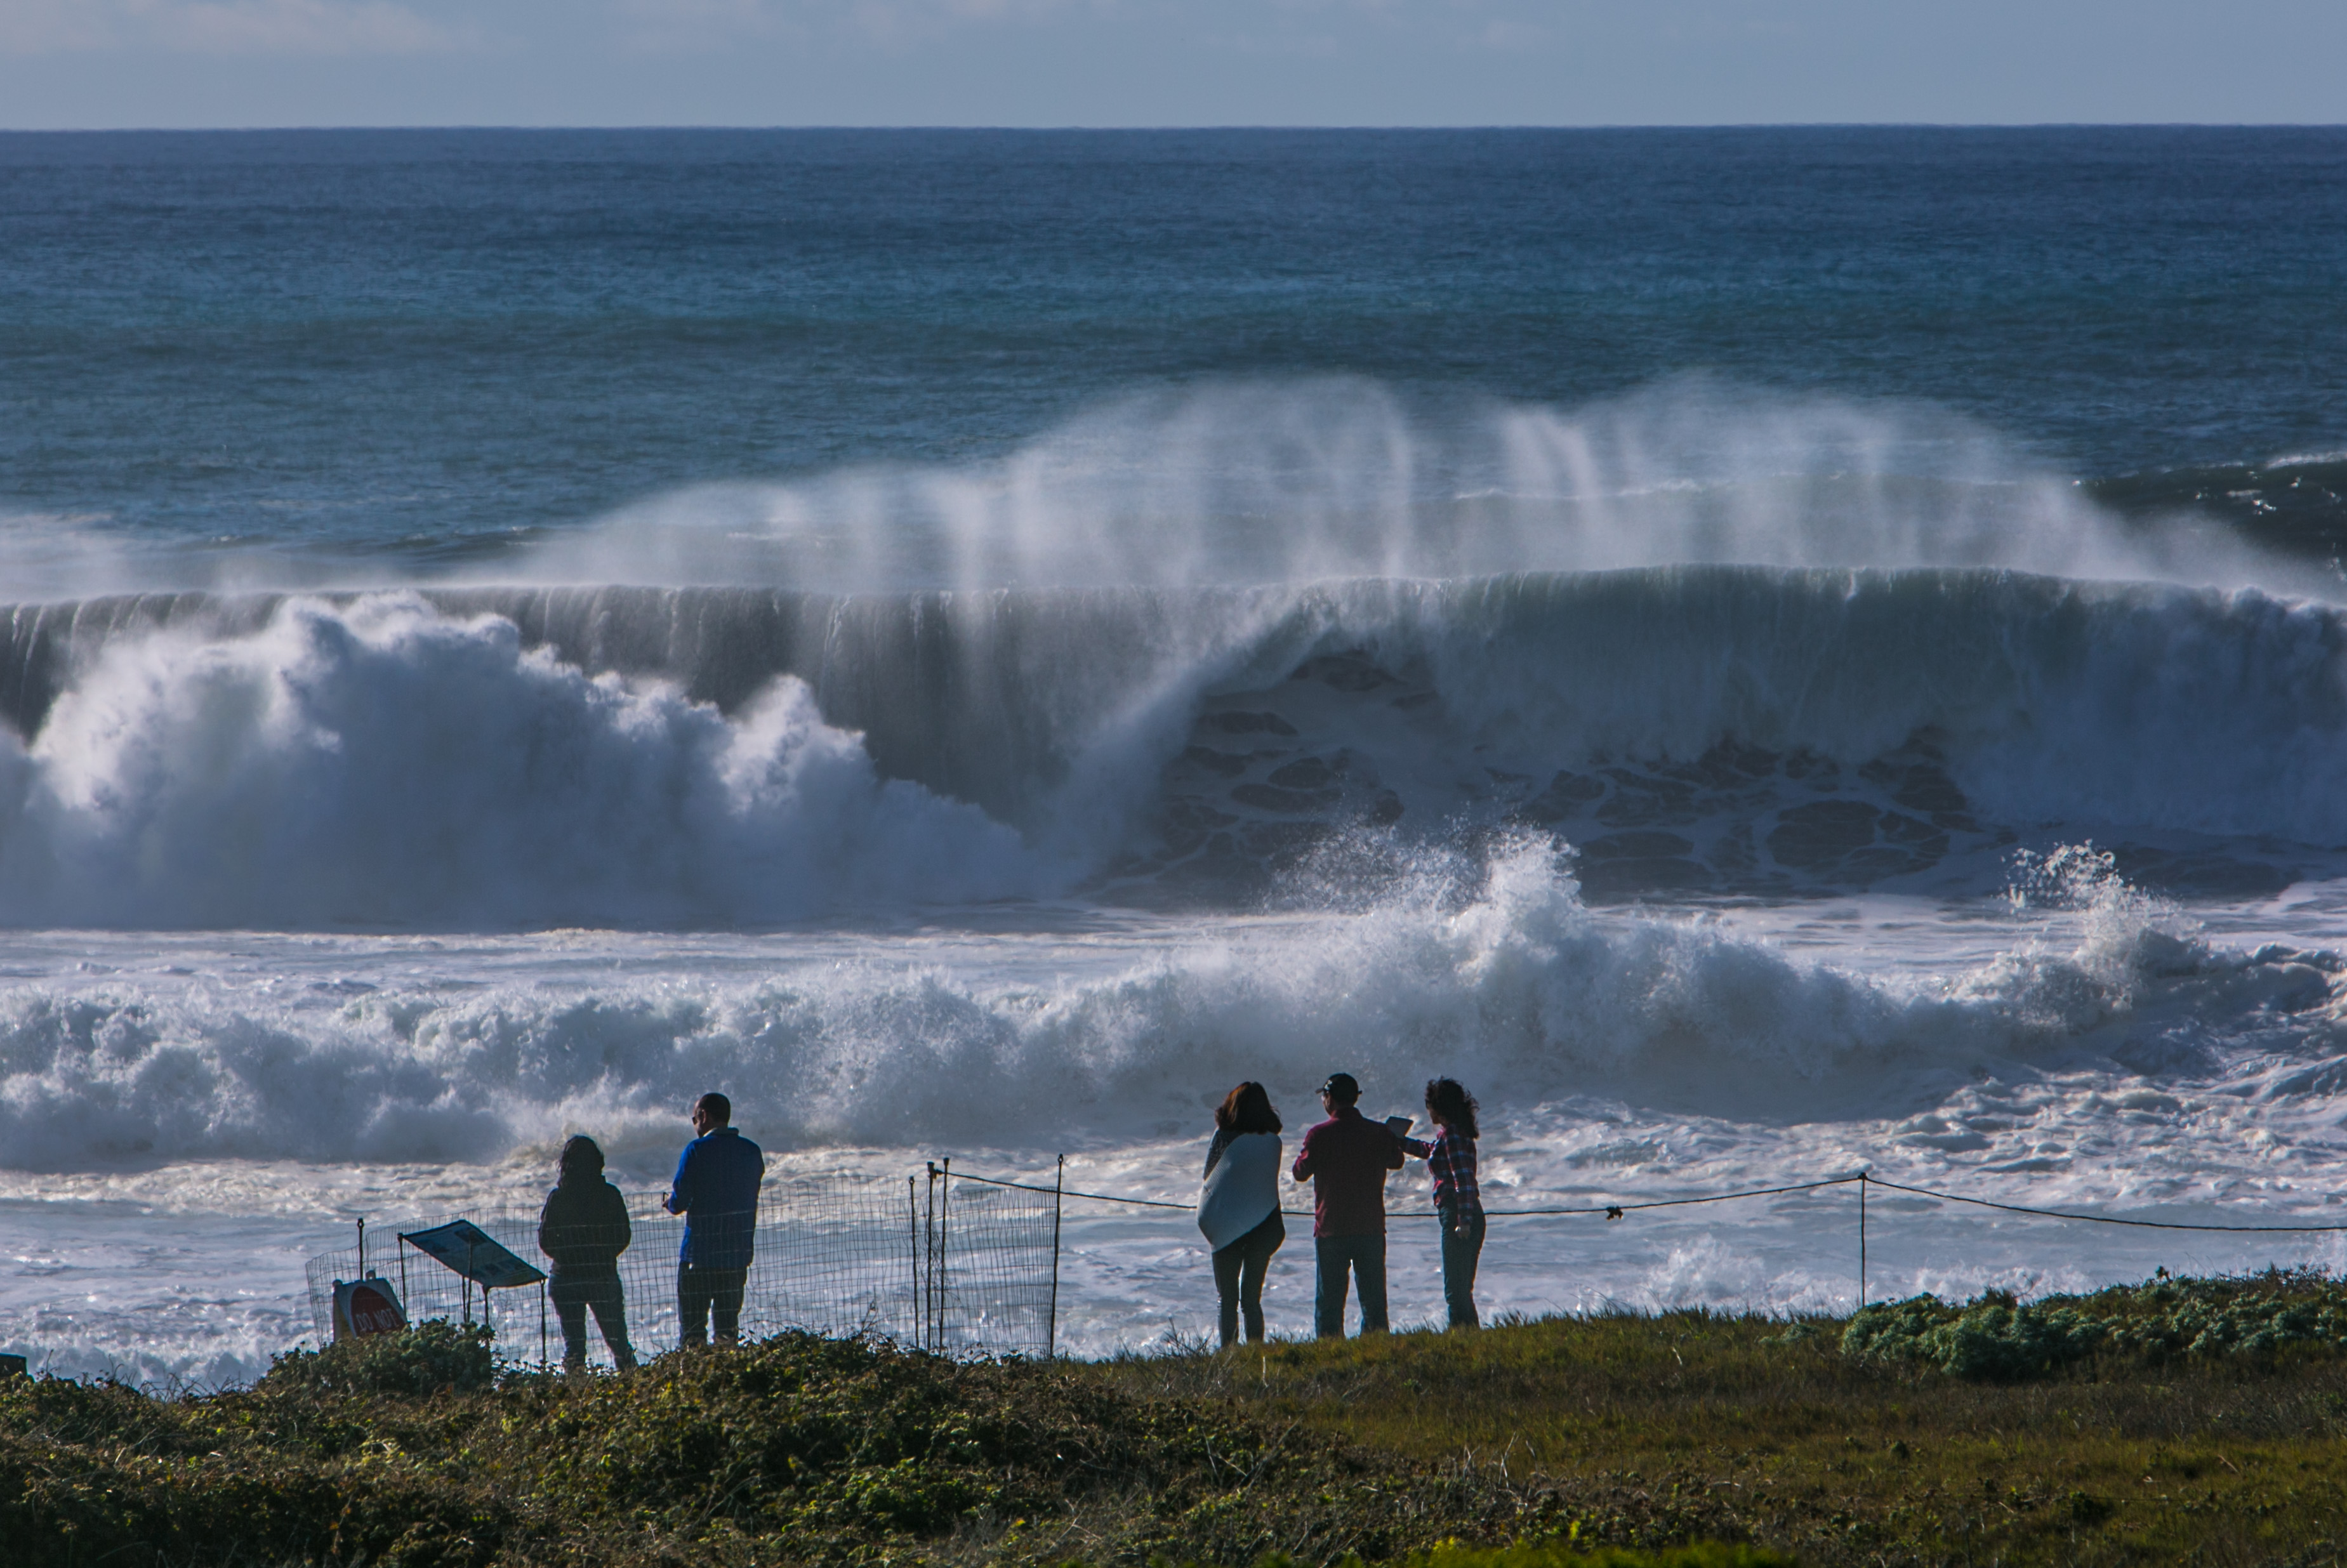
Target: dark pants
<point x="701" y="1293"/>
<point x="1366" y="1256"/>
<point x="572" y="1295"/>
<point x="1462" y="1246"/>
<point x="1238" y="1277"/>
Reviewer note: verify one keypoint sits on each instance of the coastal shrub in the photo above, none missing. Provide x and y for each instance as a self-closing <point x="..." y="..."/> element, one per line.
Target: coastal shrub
<point x="1555" y="1555"/>
<point x="430" y="1357"/>
<point x="796" y="1452"/>
<point x="1995" y="1338"/>
<point x="1706" y="1554"/>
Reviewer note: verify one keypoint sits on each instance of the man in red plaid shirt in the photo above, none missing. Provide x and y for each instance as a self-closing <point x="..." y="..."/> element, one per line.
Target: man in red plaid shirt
<point x="1346" y="1159"/>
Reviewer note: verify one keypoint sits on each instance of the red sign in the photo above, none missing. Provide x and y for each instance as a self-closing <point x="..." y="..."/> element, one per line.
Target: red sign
<point x="366" y="1306"/>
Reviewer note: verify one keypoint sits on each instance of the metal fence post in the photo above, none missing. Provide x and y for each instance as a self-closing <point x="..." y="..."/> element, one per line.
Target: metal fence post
<point x="1861" y="1241"/>
<point x="913" y="1232"/>
<point x="929" y="1262"/>
<point x="945" y="1249"/>
<point x="1052" y="1312"/>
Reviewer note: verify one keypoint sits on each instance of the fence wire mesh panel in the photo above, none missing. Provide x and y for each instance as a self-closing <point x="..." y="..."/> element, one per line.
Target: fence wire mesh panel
<point x="993" y="1273"/>
<point x="834" y="1258"/>
<point x="322" y="1271"/>
<point x="837" y="1257"/>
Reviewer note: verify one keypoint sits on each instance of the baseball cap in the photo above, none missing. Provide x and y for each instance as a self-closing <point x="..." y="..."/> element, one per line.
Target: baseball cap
<point x="1341" y="1086"/>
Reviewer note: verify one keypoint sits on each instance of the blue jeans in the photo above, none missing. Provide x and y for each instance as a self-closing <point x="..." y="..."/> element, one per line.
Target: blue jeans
<point x="1462" y="1248"/>
<point x="1365" y="1256"/>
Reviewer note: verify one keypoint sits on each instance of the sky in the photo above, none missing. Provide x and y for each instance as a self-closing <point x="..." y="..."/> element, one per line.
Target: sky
<point x="108" y="63"/>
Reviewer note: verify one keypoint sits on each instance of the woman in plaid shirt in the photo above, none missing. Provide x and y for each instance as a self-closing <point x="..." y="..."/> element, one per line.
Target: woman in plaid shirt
<point x="1450" y="1156"/>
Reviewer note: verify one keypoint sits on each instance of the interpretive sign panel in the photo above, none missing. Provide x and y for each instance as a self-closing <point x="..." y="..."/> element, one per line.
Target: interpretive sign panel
<point x="475" y="1254"/>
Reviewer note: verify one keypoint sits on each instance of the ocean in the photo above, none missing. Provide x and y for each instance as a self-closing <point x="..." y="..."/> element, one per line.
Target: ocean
<point x="1769" y="653"/>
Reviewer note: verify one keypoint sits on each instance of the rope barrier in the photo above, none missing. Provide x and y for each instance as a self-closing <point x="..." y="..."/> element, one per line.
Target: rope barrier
<point x="1071" y="1193"/>
<point x="1616" y="1211"/>
<point x="1611" y="1211"/>
<point x="1874" y="1181"/>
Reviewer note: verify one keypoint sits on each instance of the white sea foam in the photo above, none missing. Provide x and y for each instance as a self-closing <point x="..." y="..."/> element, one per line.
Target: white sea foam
<point x="1522" y="990"/>
<point x="381" y="763"/>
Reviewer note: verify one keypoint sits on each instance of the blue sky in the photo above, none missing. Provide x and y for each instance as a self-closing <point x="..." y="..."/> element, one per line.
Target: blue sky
<point x="204" y="62"/>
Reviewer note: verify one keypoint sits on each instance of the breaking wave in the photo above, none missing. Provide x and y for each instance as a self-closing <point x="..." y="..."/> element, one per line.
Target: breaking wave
<point x="1517" y="987"/>
<point x="664" y="758"/>
<point x="1193" y="649"/>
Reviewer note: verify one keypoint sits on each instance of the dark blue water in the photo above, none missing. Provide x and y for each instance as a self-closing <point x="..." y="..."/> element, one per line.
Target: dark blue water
<point x="426" y="345"/>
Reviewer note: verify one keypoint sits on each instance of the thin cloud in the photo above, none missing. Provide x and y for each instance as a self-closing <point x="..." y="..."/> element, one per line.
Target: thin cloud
<point x="684" y="24"/>
<point x="302" y="27"/>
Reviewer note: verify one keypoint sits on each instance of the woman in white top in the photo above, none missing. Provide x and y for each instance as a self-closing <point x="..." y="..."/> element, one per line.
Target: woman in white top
<point x="1239" y="1210"/>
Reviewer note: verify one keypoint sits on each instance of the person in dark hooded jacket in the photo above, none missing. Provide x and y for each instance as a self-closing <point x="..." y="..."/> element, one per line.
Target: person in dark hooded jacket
<point x="582" y="1230"/>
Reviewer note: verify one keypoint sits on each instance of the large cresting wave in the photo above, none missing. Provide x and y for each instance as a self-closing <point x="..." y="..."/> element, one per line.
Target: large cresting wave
<point x="1204" y="649"/>
<point x="665" y="758"/>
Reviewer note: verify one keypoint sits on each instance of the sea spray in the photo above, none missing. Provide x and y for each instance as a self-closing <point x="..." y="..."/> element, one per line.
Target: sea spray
<point x="1291" y="481"/>
<point x="1520" y="989"/>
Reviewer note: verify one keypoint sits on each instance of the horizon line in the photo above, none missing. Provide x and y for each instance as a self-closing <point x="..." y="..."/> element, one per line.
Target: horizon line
<point x="1169" y="129"/>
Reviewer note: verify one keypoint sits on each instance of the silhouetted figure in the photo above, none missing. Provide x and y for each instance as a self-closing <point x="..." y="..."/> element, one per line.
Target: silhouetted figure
<point x="1239" y="1209"/>
<point x="582" y="1230"/>
<point x="1346" y="1159"/>
<point x="716" y="1190"/>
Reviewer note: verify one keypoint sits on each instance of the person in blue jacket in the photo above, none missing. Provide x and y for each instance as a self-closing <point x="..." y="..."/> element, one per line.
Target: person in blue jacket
<point x="716" y="1190"/>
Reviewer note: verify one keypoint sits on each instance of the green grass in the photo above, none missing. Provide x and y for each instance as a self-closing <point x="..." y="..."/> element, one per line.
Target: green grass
<point x="1524" y="1446"/>
<point x="1739" y="1428"/>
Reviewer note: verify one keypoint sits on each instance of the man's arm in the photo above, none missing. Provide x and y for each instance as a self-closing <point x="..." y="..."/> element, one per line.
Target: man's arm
<point x="1394" y="1145"/>
<point x="679" y="1199"/>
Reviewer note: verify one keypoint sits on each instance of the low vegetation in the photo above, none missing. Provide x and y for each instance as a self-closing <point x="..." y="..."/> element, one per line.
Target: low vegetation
<point x="1692" y="1440"/>
<point x="2159" y="1322"/>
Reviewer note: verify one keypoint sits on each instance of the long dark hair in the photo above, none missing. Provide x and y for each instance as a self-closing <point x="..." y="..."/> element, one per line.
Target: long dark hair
<point x="1247" y="1109"/>
<point x="1448" y="1101"/>
<point x="581" y="1161"/>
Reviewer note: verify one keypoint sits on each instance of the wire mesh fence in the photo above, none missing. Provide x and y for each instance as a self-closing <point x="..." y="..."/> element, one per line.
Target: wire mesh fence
<point x="960" y="1265"/>
<point x="932" y="1262"/>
